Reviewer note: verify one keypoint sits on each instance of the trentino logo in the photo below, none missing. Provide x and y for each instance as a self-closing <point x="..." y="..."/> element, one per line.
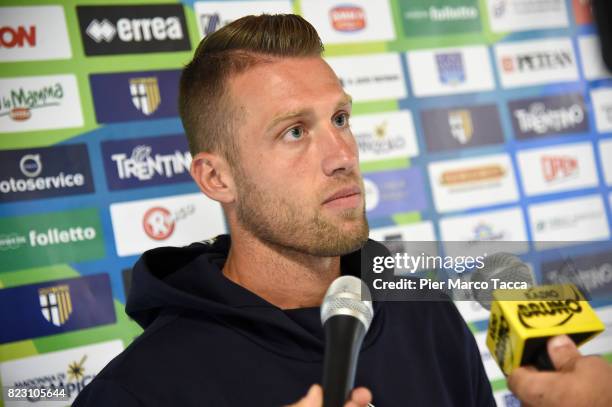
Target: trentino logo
<point x="127" y="96"/>
<point x="149" y="161"/>
<point x="45" y="172"/>
<point x="108" y="30"/>
<point x="558" y="114"/>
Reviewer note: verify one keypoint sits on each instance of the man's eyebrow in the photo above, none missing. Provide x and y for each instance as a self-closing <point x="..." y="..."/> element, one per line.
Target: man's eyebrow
<point x="345" y="100"/>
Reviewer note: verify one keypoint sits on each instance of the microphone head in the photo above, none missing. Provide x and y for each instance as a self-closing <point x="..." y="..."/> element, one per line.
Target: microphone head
<point x="348" y="295"/>
<point x="503" y="266"/>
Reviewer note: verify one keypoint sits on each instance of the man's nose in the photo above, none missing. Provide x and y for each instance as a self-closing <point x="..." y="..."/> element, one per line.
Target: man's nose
<point x="340" y="153"/>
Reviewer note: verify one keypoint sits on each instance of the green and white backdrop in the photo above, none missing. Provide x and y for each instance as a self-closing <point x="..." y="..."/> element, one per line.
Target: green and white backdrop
<point x="477" y="120"/>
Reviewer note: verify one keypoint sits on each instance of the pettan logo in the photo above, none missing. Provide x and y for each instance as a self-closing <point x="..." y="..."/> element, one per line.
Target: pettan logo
<point x="537" y="61"/>
<point x="17" y="37"/>
<point x="55" y="304"/>
<point x="145" y="94"/>
<point x="555" y="168"/>
<point x="347" y="18"/>
<point x="556" y="311"/>
<point x="451" y="69"/>
<point x="482" y="173"/>
<point x="159" y="223"/>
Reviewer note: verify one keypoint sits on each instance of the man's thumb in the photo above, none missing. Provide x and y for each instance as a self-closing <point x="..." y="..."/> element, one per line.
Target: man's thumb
<point x="562" y="352"/>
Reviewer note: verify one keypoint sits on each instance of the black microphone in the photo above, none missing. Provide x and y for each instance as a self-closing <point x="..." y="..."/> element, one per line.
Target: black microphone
<point x="346" y="314"/>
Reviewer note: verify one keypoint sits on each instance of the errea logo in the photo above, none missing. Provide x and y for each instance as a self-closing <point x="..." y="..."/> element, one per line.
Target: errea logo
<point x="108" y="30"/>
<point x="101" y="31"/>
<point x="137" y="29"/>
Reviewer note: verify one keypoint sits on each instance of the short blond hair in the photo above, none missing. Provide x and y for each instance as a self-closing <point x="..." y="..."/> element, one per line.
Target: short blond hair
<point x="205" y="107"/>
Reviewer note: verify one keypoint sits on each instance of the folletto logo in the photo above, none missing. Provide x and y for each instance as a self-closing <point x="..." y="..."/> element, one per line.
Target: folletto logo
<point x="108" y="30"/>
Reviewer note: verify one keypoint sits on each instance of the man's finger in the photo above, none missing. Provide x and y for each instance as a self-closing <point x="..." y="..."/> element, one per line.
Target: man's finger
<point x="531" y="386"/>
<point x="361" y="396"/>
<point x="562" y="352"/>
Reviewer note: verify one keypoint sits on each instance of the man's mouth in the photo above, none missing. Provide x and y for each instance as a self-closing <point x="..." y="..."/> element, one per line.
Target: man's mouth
<point x="345" y="198"/>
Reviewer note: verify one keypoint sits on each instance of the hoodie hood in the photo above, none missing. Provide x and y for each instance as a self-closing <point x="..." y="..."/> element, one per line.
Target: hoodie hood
<point x="189" y="280"/>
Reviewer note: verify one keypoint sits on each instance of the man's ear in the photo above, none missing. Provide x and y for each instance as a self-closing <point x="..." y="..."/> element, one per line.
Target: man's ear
<point x="213" y="175"/>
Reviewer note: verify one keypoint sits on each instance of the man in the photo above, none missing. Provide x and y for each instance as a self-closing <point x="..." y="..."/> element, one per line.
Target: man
<point x="235" y="322"/>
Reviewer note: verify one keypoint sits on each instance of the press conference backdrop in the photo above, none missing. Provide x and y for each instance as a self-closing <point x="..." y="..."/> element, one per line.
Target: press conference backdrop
<point x="475" y="119"/>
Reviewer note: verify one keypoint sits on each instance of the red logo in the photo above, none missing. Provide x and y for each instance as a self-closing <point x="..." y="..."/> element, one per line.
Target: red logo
<point x="558" y="167"/>
<point x="507" y="64"/>
<point x="347" y="18"/>
<point x="11" y="37"/>
<point x="583" y="11"/>
<point x="158" y="223"/>
<point x="20" y="114"/>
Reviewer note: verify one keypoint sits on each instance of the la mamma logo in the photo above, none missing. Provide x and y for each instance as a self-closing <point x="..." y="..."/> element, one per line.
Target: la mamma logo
<point x="19" y="103"/>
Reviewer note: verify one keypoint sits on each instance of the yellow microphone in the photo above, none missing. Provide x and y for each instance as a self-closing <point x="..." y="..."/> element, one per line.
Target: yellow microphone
<point x="522" y="320"/>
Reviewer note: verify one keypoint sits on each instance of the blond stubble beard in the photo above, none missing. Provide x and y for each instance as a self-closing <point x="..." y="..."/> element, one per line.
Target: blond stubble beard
<point x="274" y="220"/>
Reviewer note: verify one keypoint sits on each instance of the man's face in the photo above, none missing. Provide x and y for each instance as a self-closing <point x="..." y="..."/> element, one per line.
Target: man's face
<point x="297" y="176"/>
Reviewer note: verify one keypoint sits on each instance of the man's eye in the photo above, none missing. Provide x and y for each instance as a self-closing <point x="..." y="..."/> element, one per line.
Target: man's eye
<point x="295" y="133"/>
<point x="341" y="120"/>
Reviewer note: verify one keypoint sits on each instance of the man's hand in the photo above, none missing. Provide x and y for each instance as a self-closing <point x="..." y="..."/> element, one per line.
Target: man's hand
<point x="360" y="397"/>
<point x="578" y="380"/>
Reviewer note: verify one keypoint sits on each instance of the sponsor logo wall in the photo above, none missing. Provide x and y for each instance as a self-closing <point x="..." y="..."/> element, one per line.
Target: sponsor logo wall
<point x="476" y="121"/>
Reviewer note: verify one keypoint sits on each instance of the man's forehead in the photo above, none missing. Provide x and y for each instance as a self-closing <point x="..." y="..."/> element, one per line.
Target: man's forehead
<point x="288" y="83"/>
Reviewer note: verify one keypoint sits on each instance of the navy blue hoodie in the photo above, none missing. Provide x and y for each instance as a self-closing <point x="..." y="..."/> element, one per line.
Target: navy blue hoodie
<point x="210" y="342"/>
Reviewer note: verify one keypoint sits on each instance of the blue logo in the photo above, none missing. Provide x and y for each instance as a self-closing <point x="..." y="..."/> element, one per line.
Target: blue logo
<point x="392" y="192"/>
<point x="54" y="307"/>
<point x="143" y="162"/>
<point x="45" y="172"/>
<point x="451" y="70"/>
<point x="126" y="96"/>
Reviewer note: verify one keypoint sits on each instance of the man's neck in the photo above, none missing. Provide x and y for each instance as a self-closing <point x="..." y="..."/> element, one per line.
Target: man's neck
<point x="280" y="276"/>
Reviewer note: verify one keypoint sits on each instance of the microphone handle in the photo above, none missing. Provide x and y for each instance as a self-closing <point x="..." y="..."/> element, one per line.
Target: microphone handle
<point x="343" y="337"/>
